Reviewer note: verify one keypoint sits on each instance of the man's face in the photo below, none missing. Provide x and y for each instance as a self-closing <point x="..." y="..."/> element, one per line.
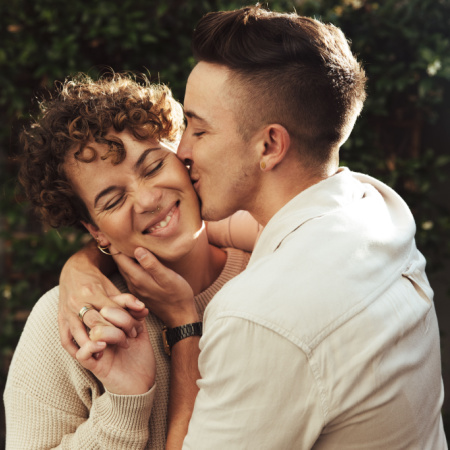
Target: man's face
<point x="224" y="168"/>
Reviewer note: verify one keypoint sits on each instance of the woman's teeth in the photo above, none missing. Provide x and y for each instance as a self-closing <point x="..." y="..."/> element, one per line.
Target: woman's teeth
<point x="162" y="224"/>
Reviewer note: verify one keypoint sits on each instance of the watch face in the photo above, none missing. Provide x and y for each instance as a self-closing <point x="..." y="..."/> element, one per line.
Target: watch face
<point x="165" y="343"/>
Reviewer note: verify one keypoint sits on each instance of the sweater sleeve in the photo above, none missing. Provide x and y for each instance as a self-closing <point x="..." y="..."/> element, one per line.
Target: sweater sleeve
<point x="240" y="231"/>
<point x="51" y="401"/>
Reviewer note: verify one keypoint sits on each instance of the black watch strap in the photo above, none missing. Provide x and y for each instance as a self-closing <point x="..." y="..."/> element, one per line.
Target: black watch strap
<point x="172" y="335"/>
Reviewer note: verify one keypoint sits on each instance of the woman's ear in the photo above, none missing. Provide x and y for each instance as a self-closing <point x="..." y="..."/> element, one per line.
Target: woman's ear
<point x="96" y="234"/>
<point x="276" y="141"/>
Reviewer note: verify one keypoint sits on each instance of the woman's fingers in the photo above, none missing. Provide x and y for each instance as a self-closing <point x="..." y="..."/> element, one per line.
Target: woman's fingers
<point x="86" y="354"/>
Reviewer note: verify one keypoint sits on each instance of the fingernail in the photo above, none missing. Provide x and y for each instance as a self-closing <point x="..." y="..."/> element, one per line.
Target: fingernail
<point x="139" y="253"/>
<point x="140" y="329"/>
<point x="133" y="332"/>
<point x="101" y="343"/>
<point x="139" y="303"/>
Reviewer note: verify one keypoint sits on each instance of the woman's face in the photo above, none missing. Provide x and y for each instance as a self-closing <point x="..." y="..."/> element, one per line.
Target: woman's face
<point x="145" y="201"/>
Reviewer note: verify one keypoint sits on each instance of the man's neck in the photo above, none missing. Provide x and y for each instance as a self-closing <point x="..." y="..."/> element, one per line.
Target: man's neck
<point x="280" y="186"/>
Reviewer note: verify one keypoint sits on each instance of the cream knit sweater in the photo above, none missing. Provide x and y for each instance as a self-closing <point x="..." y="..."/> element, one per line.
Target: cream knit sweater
<point x="51" y="401"/>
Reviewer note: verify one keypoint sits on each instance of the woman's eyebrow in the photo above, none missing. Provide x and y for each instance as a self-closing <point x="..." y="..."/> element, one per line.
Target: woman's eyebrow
<point x="102" y="193"/>
<point x="136" y="166"/>
<point x="144" y="155"/>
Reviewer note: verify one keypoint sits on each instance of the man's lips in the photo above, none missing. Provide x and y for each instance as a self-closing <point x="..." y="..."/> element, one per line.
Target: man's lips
<point x="162" y="219"/>
<point x="194" y="181"/>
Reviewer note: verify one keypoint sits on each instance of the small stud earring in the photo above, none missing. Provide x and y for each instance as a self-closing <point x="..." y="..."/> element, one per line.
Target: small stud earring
<point x="262" y="164"/>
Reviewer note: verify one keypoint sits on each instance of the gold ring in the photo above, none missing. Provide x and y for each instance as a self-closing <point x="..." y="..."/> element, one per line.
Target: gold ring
<point x="83" y="311"/>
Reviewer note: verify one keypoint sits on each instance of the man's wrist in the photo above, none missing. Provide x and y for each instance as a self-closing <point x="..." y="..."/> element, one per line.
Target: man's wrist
<point x="173" y="335"/>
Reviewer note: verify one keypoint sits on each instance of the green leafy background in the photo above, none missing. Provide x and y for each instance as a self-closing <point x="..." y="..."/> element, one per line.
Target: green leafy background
<point x="401" y="138"/>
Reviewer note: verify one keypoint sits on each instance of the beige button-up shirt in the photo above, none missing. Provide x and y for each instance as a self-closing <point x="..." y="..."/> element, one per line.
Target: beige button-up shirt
<point x="329" y="339"/>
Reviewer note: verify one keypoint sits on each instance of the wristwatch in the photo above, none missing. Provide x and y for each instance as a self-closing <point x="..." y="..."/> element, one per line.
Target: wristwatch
<point x="172" y="335"/>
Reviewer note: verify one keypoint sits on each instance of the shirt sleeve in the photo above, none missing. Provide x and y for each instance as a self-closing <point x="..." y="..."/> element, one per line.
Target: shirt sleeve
<point x="257" y="390"/>
<point x="52" y="402"/>
<point x="240" y="231"/>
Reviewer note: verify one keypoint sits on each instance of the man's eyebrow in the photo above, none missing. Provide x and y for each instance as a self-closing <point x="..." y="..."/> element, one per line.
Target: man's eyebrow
<point x="192" y="115"/>
<point x="144" y="155"/>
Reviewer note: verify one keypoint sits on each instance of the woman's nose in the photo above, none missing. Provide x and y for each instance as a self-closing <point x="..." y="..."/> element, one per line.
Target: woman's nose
<point x="147" y="200"/>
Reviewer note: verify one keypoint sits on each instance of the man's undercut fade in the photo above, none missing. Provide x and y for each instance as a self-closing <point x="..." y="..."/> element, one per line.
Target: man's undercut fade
<point x="286" y="69"/>
<point x="83" y="111"/>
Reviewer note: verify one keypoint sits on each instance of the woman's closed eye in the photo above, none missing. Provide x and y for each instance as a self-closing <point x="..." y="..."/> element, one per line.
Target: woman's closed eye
<point x="117" y="200"/>
<point x="153" y="168"/>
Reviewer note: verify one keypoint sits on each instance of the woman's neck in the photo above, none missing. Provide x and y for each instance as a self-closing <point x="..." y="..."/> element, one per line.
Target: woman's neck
<point x="202" y="265"/>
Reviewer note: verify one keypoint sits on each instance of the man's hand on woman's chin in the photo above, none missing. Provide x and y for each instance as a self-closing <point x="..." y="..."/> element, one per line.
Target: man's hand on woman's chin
<point x="83" y="284"/>
<point x="165" y="293"/>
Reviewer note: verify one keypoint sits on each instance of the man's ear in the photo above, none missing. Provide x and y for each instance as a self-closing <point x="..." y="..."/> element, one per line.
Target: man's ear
<point x="96" y="234"/>
<point x="276" y="142"/>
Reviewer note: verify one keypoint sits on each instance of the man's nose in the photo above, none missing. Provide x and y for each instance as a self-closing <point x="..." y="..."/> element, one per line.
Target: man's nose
<point x="184" y="151"/>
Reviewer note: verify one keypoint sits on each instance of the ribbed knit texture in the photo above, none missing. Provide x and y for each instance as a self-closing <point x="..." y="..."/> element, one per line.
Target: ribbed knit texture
<point x="52" y="401"/>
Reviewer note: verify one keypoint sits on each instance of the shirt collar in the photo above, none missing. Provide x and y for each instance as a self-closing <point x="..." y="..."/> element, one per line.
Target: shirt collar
<point x="315" y="201"/>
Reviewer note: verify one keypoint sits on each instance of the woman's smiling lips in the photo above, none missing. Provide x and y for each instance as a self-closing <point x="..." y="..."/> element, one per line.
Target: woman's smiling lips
<point x="164" y="222"/>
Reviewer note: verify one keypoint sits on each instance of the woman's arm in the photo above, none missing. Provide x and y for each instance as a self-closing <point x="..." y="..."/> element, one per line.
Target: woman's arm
<point x="53" y="402"/>
<point x="240" y="231"/>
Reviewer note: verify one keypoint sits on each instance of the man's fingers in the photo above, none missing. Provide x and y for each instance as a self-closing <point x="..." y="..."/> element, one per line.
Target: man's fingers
<point x="148" y="262"/>
<point x="134" y="306"/>
<point x="67" y="340"/>
<point x="121" y="319"/>
<point x="80" y="336"/>
<point x="163" y="276"/>
<point x="110" y="288"/>
<point x="93" y="318"/>
<point x="128" y="266"/>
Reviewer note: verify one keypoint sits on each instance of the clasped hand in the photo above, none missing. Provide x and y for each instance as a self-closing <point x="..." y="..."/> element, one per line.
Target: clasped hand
<point x="118" y="339"/>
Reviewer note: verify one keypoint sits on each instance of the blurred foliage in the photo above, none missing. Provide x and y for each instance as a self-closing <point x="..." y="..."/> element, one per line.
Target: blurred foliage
<point x="400" y="138"/>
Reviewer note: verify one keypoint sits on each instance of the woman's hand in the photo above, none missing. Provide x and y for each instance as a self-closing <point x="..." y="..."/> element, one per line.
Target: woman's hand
<point x="83" y="284"/>
<point x="122" y="371"/>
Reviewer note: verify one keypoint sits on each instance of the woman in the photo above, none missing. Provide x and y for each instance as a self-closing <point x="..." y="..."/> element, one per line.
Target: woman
<point x="102" y="155"/>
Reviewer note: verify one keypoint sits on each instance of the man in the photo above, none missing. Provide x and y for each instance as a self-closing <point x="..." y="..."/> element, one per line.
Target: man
<point x="329" y="338"/>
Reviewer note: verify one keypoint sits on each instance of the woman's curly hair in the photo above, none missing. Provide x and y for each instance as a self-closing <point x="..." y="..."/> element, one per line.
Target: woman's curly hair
<point x="84" y="111"/>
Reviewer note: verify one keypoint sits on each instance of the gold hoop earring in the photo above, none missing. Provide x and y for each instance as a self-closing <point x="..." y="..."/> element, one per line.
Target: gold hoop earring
<point x="262" y="164"/>
<point x="104" y="250"/>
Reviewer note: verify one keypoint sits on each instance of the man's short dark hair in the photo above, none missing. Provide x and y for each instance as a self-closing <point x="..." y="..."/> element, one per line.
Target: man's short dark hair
<point x="286" y="69"/>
